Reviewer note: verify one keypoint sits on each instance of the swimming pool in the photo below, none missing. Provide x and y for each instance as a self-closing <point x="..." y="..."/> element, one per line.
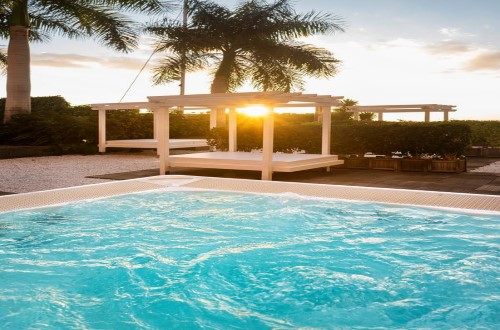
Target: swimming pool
<point x="230" y="260"/>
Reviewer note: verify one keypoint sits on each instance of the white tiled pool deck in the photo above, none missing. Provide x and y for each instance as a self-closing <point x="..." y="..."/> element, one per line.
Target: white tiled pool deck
<point x="457" y="201"/>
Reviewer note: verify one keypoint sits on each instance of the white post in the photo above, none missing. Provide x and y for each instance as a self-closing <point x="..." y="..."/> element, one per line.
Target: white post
<point x="163" y="142"/>
<point x="317" y="114"/>
<point x="427" y="116"/>
<point x="356" y="115"/>
<point x="213" y="118"/>
<point x="232" y="130"/>
<point x="102" y="130"/>
<point x="445" y="115"/>
<point x="267" y="146"/>
<point x="155" y="125"/>
<point x="155" y="130"/>
<point x="380" y="116"/>
<point x="326" y="132"/>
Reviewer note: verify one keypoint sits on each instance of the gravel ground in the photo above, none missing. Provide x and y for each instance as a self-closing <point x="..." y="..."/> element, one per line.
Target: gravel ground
<point x="491" y="168"/>
<point x="20" y="175"/>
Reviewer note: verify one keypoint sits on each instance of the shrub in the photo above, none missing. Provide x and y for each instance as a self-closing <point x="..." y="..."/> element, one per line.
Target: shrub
<point x="55" y="122"/>
<point x="353" y="137"/>
<point x="443" y="138"/>
<point x="484" y="133"/>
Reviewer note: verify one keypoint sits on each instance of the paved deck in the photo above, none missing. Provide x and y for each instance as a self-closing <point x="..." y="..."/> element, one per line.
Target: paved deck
<point x="468" y="182"/>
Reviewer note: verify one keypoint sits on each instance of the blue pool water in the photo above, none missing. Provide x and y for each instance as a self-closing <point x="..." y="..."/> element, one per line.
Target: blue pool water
<point x="224" y="260"/>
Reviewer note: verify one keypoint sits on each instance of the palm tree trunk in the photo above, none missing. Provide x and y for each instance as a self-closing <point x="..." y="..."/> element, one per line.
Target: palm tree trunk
<point x="18" y="69"/>
<point x="18" y="73"/>
<point x="220" y="83"/>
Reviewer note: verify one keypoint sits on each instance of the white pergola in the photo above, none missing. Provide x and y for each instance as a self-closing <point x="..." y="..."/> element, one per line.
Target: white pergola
<point x="266" y="162"/>
<point x="401" y="108"/>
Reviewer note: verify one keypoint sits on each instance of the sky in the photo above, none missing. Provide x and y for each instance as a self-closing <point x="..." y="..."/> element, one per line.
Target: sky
<point x="392" y="52"/>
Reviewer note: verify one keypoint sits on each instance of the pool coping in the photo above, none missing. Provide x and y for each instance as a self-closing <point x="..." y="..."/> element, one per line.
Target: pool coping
<point x="462" y="202"/>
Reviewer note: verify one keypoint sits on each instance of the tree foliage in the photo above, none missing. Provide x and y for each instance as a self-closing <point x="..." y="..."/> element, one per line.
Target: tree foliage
<point x="103" y="20"/>
<point x="256" y="41"/>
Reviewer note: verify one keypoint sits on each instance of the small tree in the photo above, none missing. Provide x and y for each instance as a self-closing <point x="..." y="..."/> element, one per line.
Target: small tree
<point x="341" y="114"/>
<point x="366" y="116"/>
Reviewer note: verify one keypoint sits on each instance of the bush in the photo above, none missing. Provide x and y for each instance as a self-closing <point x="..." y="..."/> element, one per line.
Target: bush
<point x="484" y="133"/>
<point x="53" y="121"/>
<point x="441" y="138"/>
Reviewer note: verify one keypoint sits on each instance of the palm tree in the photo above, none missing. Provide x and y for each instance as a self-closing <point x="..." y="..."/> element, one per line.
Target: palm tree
<point x="341" y="114"/>
<point x="22" y="21"/>
<point x="256" y="41"/>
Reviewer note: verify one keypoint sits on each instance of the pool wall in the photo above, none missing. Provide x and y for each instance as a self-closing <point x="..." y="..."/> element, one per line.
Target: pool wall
<point x="459" y="201"/>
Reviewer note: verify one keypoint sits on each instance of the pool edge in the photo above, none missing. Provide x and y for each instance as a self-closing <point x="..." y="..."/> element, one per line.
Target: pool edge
<point x="474" y="203"/>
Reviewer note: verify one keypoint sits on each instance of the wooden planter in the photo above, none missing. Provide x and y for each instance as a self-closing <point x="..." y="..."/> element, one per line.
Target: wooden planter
<point x="357" y="163"/>
<point x="413" y="165"/>
<point x="448" y="166"/>
<point x="384" y="164"/>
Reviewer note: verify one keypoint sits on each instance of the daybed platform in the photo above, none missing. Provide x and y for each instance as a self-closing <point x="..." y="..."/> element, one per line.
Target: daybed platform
<point x="152" y="143"/>
<point x="253" y="161"/>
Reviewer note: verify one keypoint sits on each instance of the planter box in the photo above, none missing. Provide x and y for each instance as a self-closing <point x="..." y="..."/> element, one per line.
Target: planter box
<point x="448" y="166"/>
<point x="384" y="164"/>
<point x="356" y="163"/>
<point x="413" y="165"/>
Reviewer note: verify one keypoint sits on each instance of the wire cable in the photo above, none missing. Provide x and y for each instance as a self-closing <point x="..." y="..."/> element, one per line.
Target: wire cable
<point x="144" y="66"/>
<point x="137" y="76"/>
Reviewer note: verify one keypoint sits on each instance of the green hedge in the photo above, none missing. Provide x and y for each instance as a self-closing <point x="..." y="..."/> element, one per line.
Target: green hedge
<point x="53" y="121"/>
<point x="74" y="129"/>
<point x="484" y="133"/>
<point x="354" y="137"/>
<point x="441" y="138"/>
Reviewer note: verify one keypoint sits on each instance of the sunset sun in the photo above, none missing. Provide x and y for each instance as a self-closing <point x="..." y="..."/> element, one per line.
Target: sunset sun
<point x="254" y="111"/>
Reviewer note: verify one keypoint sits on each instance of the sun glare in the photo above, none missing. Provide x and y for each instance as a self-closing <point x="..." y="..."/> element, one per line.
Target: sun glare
<point x="255" y="111"/>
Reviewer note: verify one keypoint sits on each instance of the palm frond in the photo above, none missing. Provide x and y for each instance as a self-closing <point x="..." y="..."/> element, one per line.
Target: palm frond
<point x="306" y="59"/>
<point x="256" y="42"/>
<point x="42" y="27"/>
<point x="90" y="18"/>
<point x="169" y="69"/>
<point x="142" y="6"/>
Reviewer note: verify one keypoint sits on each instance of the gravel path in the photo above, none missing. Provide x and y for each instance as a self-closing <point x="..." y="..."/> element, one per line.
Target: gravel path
<point x="491" y="168"/>
<point x="19" y="175"/>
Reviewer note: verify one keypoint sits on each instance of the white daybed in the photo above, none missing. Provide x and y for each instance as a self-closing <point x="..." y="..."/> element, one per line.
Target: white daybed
<point x="267" y="161"/>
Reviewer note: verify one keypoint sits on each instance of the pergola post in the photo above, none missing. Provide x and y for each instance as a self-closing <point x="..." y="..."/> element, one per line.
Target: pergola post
<point x="380" y="116"/>
<point x="102" y="130"/>
<point x="232" y="130"/>
<point x="445" y="115"/>
<point x="427" y="116"/>
<point x="163" y="139"/>
<point x="155" y="130"/>
<point x="155" y="125"/>
<point x="326" y="132"/>
<point x="268" y="145"/>
<point x="317" y="114"/>
<point x="213" y="118"/>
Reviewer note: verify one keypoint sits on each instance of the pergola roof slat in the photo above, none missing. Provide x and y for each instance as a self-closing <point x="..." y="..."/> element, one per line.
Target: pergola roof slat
<point x="226" y="100"/>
